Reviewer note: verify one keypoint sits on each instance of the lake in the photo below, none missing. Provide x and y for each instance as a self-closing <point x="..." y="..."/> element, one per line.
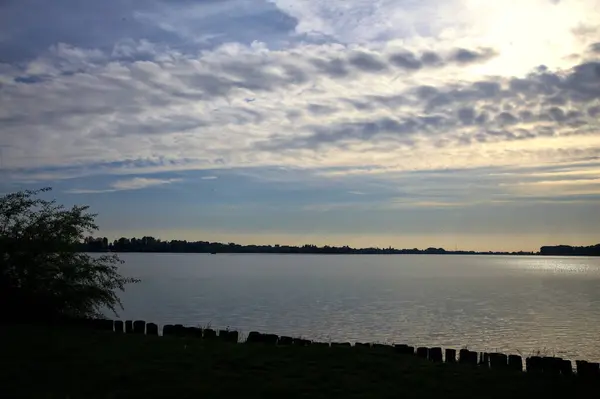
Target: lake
<point x="495" y="303"/>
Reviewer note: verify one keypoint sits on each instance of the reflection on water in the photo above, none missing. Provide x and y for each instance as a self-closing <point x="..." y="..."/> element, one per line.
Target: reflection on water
<point x="509" y="304"/>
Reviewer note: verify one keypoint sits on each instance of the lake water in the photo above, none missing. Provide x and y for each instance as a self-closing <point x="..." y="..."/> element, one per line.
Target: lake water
<point x="509" y="304"/>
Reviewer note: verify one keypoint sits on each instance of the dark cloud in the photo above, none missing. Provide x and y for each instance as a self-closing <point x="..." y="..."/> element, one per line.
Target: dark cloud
<point x="506" y="118"/>
<point x="466" y="56"/>
<point x="488" y="90"/>
<point x="466" y="115"/>
<point x="482" y="118"/>
<point x="367" y="62"/>
<point x="595" y="48"/>
<point x="317" y="109"/>
<point x="431" y="59"/>
<point x="174" y="123"/>
<point x="406" y="60"/>
<point x="409" y="61"/>
<point x="556" y="100"/>
<point x="543" y="87"/>
<point x="557" y="114"/>
<point x="375" y="102"/>
<point x="391" y="102"/>
<point x="335" y="68"/>
<point x="593" y="111"/>
<point x="583" y="84"/>
<point x="359" y="105"/>
<point x="526" y="115"/>
<point x="509" y="101"/>
<point x="372" y="131"/>
<point x="293" y="115"/>
<point x="426" y="92"/>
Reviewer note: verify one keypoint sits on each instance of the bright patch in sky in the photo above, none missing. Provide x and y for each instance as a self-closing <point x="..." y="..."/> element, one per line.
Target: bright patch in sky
<point x="381" y="122"/>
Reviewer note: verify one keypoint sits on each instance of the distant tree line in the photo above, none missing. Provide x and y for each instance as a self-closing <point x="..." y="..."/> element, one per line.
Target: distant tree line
<point x="151" y="244"/>
<point x="567" y="250"/>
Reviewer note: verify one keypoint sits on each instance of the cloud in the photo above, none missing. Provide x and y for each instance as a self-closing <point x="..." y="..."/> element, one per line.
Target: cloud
<point x="136" y="183"/>
<point x="466" y="56"/>
<point x="117" y="24"/>
<point x="406" y="91"/>
<point x="366" y="62"/>
<point x="179" y="99"/>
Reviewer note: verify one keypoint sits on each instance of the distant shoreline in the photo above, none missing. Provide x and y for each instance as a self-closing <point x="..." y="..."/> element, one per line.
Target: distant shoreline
<point x="153" y="245"/>
<point x="321" y="253"/>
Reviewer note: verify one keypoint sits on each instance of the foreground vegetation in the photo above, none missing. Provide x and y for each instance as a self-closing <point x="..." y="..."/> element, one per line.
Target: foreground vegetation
<point x="53" y="362"/>
<point x="42" y="274"/>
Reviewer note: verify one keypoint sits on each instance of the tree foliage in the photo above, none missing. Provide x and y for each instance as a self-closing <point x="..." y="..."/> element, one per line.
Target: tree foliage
<point x="41" y="273"/>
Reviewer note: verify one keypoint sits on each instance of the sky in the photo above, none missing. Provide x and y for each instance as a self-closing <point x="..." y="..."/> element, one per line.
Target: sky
<point x="465" y="124"/>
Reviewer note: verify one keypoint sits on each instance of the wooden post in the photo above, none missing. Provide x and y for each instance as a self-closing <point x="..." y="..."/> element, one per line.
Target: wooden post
<point x="498" y="361"/>
<point x="228" y="336"/>
<point x="422" y="352"/>
<point x="468" y="357"/>
<point x="435" y="354"/>
<point x="270" y="339"/>
<point x="484" y="359"/>
<point x="253" y="337"/>
<point x="300" y="341"/>
<point x="119" y="326"/>
<point x="450" y="355"/>
<point x="534" y="364"/>
<point x="179" y="330"/>
<point x="382" y="347"/>
<point x="566" y="367"/>
<point x="128" y="326"/>
<point x="515" y="362"/>
<point x="551" y="365"/>
<point x="582" y="368"/>
<point x="341" y="345"/>
<point x="139" y="327"/>
<point x="151" y="329"/>
<point x="592" y="370"/>
<point x="192" y="332"/>
<point x="168" y="330"/>
<point x="210" y="334"/>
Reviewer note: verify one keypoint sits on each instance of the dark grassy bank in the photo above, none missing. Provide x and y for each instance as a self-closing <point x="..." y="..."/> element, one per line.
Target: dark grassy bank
<point x="51" y="362"/>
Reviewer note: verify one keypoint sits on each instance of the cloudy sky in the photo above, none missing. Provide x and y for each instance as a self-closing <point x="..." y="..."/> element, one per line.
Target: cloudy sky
<point x="467" y="123"/>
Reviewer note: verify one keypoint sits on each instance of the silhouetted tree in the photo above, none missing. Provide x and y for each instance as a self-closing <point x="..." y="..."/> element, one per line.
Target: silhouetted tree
<point x="41" y="273"/>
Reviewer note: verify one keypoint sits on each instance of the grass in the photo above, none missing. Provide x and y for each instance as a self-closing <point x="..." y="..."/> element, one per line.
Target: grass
<point x="46" y="362"/>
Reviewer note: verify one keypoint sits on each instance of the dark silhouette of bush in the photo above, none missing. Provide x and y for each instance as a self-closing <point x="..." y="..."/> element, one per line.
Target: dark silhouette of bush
<point x="42" y="276"/>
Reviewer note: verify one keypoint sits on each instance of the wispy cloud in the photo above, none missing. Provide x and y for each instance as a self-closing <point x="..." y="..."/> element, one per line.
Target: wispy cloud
<point x="136" y="183"/>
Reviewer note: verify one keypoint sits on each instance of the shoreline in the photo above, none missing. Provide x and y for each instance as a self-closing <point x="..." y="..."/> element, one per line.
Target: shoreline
<point x="85" y="361"/>
<point x="535" y="363"/>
